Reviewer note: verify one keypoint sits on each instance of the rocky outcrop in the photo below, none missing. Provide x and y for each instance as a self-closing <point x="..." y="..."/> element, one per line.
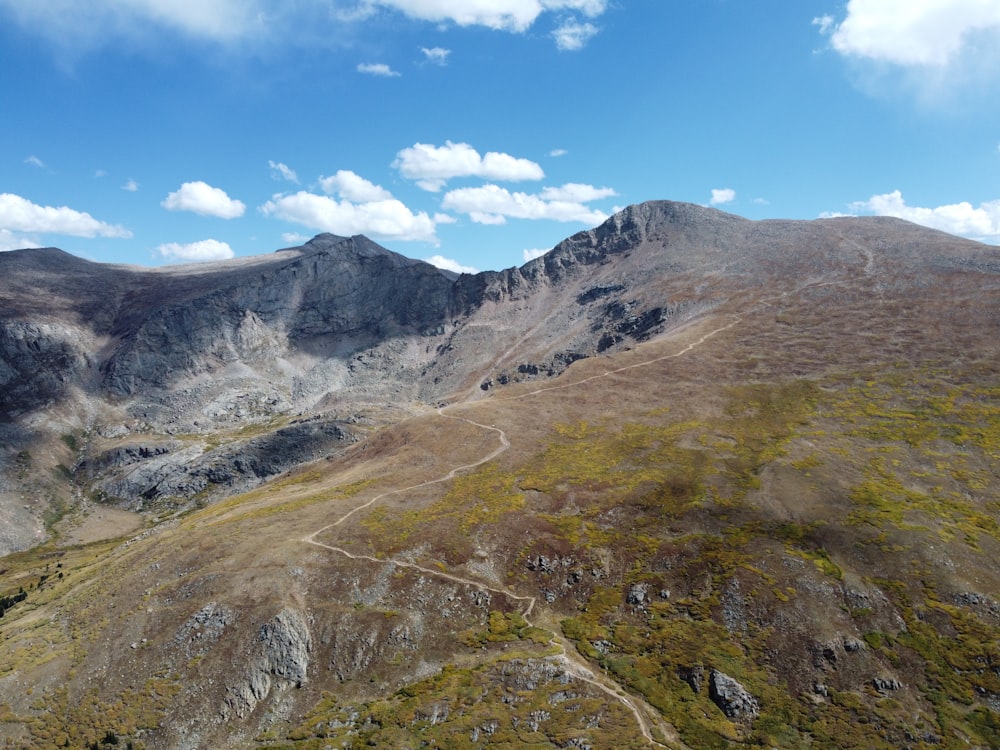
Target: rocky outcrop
<point x="39" y="363"/>
<point x="280" y="657"/>
<point x="729" y="695"/>
<point x="203" y="629"/>
<point x="172" y="470"/>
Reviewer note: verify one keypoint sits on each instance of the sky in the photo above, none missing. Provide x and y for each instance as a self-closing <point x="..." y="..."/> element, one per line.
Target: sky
<point x="477" y="134"/>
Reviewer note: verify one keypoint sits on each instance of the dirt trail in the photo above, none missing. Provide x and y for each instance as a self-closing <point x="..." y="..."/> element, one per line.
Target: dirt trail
<point x="574" y="664"/>
<point x="646" y="717"/>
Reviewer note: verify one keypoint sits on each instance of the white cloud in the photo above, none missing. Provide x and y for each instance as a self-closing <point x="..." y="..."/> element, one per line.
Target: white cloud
<point x="436" y="55"/>
<point x="201" y="198"/>
<point x="131" y="186"/>
<point x="761" y="202"/>
<point x="448" y="264"/>
<point x="21" y="215"/>
<point x="353" y="187"/>
<point x="576" y="193"/>
<point x="572" y="35"/>
<point x="388" y="219"/>
<point x="295" y="238"/>
<point x="913" y="32"/>
<point x="534" y="252"/>
<point x="35" y="162"/>
<point x="378" y="69"/>
<point x="506" y="15"/>
<point x="964" y="219"/>
<point x="722" y="195"/>
<point x="11" y="241"/>
<point x="557" y="152"/>
<point x="492" y="204"/>
<point x="85" y="21"/>
<point x="99" y="173"/>
<point x="85" y="24"/>
<point x="281" y="171"/>
<point x="432" y="166"/>
<point x="195" y="251"/>
<point x="444" y="219"/>
<point x="825" y="23"/>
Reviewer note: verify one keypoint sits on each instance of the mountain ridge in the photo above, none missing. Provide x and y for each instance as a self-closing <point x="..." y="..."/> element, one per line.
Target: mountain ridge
<point x="743" y="473"/>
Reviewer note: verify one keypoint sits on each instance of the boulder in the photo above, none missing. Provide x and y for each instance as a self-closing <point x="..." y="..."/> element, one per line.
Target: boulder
<point x="734" y="699"/>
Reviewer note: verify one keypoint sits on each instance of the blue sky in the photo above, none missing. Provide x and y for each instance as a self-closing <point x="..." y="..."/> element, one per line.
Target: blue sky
<point x="482" y="132"/>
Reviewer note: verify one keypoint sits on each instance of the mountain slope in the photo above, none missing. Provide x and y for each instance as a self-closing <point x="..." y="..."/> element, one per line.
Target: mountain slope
<point x="760" y="511"/>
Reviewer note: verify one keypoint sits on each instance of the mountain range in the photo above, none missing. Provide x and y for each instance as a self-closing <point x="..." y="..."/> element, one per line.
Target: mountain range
<point x="686" y="480"/>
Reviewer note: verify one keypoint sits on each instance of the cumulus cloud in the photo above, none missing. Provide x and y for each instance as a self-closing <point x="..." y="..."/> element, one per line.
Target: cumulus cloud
<point x="295" y="238"/>
<point x="572" y="35"/>
<point x="281" y="171"/>
<point x="201" y="198"/>
<point x="505" y="15"/>
<point x="575" y="192"/>
<point x="131" y="186"/>
<point x="912" y="32"/>
<point x="195" y="252"/>
<point x="557" y="152"/>
<point x="21" y="215"/>
<point x="436" y="55"/>
<point x="492" y="204"/>
<point x="353" y="187"/>
<point x="977" y="222"/>
<point x="448" y="264"/>
<point x="389" y="218"/>
<point x="432" y="166"/>
<point x="378" y="69"/>
<point x="534" y="252"/>
<point x="722" y="195"/>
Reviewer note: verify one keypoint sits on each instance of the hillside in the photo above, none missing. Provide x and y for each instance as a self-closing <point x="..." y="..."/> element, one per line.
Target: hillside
<point x="687" y="480"/>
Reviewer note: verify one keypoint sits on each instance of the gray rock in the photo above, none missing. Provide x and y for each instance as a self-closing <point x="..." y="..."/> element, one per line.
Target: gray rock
<point x="200" y="631"/>
<point x="282" y="653"/>
<point x="884" y="684"/>
<point x="637" y="594"/>
<point x="693" y="676"/>
<point x="853" y="645"/>
<point x="730" y="696"/>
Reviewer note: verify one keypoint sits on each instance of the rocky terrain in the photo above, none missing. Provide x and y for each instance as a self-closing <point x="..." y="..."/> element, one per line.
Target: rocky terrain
<point x="687" y="480"/>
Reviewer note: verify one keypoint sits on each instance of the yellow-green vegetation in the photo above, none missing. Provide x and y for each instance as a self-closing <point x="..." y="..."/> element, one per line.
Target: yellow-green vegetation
<point x="522" y="702"/>
<point x="484" y="496"/>
<point x="932" y="443"/>
<point x="697" y="476"/>
<point x="62" y="720"/>
<point x="504" y="627"/>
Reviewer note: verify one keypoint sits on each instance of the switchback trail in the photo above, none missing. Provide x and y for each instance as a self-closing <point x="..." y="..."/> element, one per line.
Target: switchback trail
<point x="574" y="664"/>
<point x="572" y="661"/>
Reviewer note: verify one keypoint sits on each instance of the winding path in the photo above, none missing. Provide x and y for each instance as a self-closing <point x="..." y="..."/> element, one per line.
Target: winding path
<point x="574" y="664"/>
<point x="571" y="661"/>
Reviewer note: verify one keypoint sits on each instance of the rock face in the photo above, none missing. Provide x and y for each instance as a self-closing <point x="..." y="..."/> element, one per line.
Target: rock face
<point x="734" y="699"/>
<point x="281" y="657"/>
<point x="173" y="470"/>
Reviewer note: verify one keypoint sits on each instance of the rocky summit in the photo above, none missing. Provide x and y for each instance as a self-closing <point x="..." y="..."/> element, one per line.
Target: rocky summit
<point x="685" y="481"/>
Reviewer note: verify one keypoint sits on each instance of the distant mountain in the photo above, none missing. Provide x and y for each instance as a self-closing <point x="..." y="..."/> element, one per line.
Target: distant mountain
<point x="687" y="480"/>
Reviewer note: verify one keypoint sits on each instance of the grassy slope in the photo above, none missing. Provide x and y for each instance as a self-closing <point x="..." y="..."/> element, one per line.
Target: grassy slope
<point x="808" y="501"/>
